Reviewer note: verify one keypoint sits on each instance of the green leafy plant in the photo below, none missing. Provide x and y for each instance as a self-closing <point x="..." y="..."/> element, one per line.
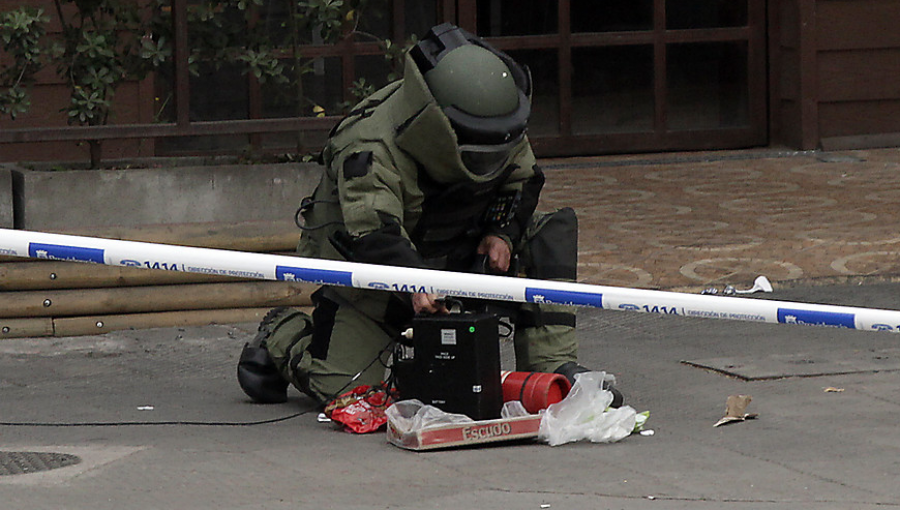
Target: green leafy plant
<point x="102" y="47"/>
<point x="394" y="53"/>
<point x="225" y="31"/>
<point x="21" y="31"/>
<point x="107" y="42"/>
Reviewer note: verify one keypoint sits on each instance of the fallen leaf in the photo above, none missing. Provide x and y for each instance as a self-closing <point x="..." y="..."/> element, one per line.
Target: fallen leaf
<point x="736" y="405"/>
<point x="735" y="410"/>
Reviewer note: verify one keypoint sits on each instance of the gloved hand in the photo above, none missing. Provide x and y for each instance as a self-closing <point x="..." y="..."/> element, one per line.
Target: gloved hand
<point x="428" y="303"/>
<point x="497" y="253"/>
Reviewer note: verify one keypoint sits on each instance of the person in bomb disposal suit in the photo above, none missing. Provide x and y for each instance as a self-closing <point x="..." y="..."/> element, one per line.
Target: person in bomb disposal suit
<point x="432" y="171"/>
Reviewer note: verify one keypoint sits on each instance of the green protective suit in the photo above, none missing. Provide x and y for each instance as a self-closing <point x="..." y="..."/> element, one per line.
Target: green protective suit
<point x="396" y="192"/>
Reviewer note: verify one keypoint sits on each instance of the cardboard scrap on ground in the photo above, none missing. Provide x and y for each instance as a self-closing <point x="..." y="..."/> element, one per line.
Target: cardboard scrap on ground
<point x="466" y="434"/>
<point x="735" y="410"/>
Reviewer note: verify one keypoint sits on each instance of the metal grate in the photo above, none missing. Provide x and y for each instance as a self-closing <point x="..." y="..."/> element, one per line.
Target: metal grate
<point x="22" y="463"/>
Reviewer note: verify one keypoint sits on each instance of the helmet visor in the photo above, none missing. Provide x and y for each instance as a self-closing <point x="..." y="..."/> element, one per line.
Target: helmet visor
<point x="487" y="160"/>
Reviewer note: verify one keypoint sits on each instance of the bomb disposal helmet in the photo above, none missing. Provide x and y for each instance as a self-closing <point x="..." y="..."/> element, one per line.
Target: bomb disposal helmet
<point x="483" y="92"/>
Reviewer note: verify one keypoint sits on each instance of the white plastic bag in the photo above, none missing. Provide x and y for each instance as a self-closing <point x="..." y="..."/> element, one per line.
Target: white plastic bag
<point x="411" y="416"/>
<point x="513" y="409"/>
<point x="585" y="414"/>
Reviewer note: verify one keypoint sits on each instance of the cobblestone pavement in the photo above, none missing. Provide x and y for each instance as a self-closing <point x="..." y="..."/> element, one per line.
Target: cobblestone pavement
<point x="684" y="221"/>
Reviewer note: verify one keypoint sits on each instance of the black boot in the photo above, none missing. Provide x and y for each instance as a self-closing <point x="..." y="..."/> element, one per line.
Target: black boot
<point x="256" y="372"/>
<point x="570" y="369"/>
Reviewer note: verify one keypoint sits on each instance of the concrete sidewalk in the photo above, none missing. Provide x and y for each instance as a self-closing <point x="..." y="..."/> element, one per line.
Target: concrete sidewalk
<point x="201" y="444"/>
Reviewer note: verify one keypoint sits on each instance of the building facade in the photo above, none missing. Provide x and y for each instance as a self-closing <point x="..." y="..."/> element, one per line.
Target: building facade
<point x="618" y="76"/>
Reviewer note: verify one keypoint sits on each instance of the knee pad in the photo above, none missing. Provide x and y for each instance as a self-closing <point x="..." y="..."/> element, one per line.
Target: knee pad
<point x="259" y="378"/>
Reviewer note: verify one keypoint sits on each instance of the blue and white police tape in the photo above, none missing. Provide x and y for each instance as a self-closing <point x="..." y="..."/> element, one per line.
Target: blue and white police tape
<point x="367" y="276"/>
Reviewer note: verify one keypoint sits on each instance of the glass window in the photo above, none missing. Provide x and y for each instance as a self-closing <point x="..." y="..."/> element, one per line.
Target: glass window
<point x="374" y="69"/>
<point x="420" y="15"/>
<point x="508" y="17"/>
<point x="321" y="86"/>
<point x="544" y="67"/>
<point x="684" y="14"/>
<point x="274" y="16"/>
<point x="377" y="19"/>
<point x="219" y="93"/>
<point x="216" y="94"/>
<point x="611" y="15"/>
<point x="707" y="85"/>
<point x="612" y="89"/>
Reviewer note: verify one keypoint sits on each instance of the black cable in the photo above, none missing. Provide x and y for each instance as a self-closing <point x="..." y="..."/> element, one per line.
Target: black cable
<point x="307" y="204"/>
<point x="377" y="358"/>
<point x="154" y="423"/>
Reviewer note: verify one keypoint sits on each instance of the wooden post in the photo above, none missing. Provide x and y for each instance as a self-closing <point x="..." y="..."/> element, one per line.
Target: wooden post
<point x="62" y="303"/>
<point x="809" y="93"/>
